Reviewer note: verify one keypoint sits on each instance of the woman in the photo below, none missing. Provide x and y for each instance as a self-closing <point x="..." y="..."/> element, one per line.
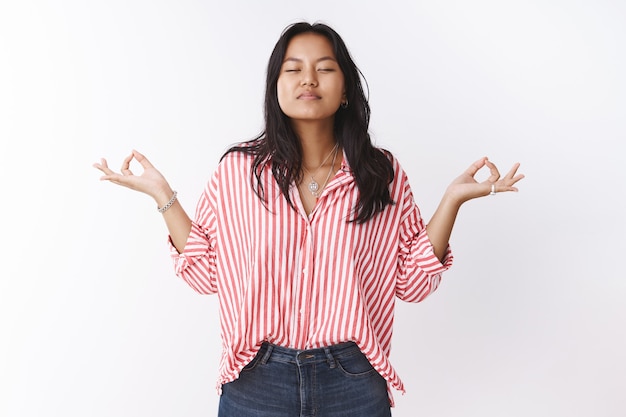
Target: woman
<point x="308" y="233"/>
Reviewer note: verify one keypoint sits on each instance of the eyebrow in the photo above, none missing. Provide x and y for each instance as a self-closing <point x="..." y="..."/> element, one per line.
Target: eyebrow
<point x="324" y="58"/>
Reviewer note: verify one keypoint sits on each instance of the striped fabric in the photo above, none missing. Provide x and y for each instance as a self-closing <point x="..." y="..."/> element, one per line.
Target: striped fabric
<point x="303" y="281"/>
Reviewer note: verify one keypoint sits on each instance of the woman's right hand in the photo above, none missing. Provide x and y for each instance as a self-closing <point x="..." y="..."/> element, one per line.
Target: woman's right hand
<point x="150" y="182"/>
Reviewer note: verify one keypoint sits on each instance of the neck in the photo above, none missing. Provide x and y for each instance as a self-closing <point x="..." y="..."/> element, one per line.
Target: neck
<point x="317" y="140"/>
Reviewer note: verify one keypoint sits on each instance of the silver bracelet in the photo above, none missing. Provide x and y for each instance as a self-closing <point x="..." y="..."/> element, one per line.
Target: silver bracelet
<point x="169" y="203"/>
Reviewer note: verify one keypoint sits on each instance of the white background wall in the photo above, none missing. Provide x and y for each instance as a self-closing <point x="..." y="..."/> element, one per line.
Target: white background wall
<point x="530" y="321"/>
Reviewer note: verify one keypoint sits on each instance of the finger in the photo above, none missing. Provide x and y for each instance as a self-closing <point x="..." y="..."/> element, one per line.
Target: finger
<point x="517" y="178"/>
<point x="501" y="188"/>
<point x="476" y="166"/>
<point x="103" y="166"/>
<point x="495" y="174"/>
<point x="507" y="184"/>
<point x="114" y="178"/>
<point x="126" y="165"/>
<point x="512" y="171"/>
<point x="512" y="177"/>
<point x="142" y="159"/>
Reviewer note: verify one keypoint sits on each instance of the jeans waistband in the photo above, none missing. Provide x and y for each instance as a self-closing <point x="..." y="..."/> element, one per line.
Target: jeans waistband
<point x="300" y="357"/>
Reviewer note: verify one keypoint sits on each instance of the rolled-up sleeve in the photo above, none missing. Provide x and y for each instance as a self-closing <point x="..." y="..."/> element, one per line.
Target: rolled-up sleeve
<point x="197" y="263"/>
<point x="419" y="269"/>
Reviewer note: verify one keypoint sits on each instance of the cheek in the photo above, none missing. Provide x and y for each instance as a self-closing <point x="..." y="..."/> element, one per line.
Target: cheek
<point x="340" y="88"/>
<point x="281" y="93"/>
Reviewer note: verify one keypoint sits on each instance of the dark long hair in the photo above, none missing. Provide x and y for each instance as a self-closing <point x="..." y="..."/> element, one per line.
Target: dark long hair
<point x="279" y="147"/>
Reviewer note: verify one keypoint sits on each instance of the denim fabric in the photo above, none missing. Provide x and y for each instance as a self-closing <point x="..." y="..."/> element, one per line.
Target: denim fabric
<point x="337" y="381"/>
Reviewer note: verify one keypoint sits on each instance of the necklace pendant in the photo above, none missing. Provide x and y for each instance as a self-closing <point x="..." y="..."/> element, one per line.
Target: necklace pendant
<point x="313" y="186"/>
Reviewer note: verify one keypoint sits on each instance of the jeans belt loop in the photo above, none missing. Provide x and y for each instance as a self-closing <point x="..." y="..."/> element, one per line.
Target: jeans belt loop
<point x="331" y="358"/>
<point x="268" y="353"/>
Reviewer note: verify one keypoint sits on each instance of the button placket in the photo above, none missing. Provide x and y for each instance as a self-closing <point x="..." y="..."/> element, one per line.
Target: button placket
<point x="302" y="290"/>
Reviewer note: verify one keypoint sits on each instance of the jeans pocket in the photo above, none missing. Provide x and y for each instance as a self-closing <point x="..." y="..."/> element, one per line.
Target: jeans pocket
<point x="252" y="364"/>
<point x="354" y="364"/>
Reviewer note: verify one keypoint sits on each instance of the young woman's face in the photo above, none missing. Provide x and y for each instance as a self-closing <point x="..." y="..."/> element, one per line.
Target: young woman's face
<point x="311" y="84"/>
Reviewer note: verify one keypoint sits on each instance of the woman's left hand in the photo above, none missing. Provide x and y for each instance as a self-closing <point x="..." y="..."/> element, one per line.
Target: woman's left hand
<point x="465" y="187"/>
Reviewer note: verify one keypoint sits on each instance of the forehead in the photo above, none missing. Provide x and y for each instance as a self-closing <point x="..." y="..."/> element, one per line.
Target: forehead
<point x="309" y="44"/>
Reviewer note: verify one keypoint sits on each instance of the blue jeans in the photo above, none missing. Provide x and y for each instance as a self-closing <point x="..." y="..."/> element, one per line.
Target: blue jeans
<point x="337" y="381"/>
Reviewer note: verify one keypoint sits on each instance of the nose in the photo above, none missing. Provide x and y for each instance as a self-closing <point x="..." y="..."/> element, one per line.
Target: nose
<point x="308" y="78"/>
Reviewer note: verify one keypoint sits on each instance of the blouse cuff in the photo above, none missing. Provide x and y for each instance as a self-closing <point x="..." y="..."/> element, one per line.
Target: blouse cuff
<point x="196" y="247"/>
<point x="426" y="258"/>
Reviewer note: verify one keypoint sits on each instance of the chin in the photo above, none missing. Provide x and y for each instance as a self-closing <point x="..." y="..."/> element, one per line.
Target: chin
<point x="310" y="116"/>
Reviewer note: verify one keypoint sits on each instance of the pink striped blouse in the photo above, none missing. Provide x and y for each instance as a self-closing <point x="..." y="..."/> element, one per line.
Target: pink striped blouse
<point x="305" y="281"/>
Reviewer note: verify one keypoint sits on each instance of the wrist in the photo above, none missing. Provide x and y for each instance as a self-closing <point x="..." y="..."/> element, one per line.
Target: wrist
<point x="452" y="200"/>
<point x="163" y="196"/>
<point x="167" y="205"/>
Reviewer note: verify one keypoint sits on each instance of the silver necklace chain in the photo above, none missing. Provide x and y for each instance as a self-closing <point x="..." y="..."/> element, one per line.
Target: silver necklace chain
<point x="314" y="186"/>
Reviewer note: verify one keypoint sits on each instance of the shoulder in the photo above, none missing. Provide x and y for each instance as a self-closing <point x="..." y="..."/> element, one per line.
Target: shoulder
<point x="399" y="175"/>
<point x="233" y="168"/>
<point x="399" y="187"/>
<point x="236" y="157"/>
<point x="234" y="162"/>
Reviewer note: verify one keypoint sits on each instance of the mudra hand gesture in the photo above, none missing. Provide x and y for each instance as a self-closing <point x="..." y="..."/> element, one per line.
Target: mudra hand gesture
<point x="465" y="187"/>
<point x="150" y="182"/>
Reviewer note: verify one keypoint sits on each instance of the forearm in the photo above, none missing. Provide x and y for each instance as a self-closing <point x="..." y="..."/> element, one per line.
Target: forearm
<point x="177" y="221"/>
<point x="440" y="226"/>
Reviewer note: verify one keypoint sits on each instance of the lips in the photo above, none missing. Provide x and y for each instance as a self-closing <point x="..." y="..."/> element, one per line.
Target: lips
<point x="308" y="96"/>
